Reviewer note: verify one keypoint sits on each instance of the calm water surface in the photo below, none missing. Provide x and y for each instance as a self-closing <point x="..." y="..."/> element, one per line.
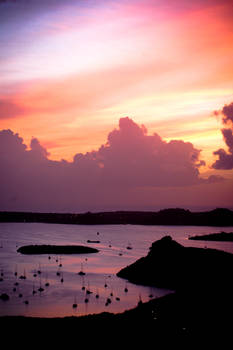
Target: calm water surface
<point x="62" y="285"/>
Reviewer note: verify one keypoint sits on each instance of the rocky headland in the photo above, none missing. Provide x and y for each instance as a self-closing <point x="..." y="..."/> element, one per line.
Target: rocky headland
<point x="171" y="265"/>
<point x="218" y="237"/>
<point x="201" y="279"/>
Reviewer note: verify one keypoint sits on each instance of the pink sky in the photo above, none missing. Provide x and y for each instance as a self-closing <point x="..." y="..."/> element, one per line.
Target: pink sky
<point x="70" y="70"/>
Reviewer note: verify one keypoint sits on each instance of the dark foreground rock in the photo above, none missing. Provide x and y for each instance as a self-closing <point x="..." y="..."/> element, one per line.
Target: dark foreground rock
<point x="220" y="237"/>
<point x="56" y="249"/>
<point x="167" y="321"/>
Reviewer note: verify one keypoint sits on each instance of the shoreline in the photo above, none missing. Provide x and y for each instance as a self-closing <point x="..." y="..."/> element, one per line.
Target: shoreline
<point x="181" y="217"/>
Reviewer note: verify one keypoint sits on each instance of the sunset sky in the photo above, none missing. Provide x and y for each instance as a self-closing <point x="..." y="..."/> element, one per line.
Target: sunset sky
<point x="81" y="79"/>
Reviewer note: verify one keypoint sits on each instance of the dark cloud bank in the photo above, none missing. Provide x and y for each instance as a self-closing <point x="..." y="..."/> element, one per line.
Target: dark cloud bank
<point x="225" y="159"/>
<point x="131" y="159"/>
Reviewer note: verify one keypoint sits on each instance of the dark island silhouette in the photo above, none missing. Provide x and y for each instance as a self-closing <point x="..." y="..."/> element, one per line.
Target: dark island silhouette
<point x="171" y="265"/>
<point x="174" y="216"/>
<point x="56" y="249"/>
<point x="218" y="237"/>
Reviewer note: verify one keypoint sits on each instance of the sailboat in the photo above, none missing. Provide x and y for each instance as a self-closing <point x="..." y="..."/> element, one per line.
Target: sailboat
<point x="88" y="291"/>
<point x="81" y="273"/>
<point x="97" y="294"/>
<point x="46" y="279"/>
<point x="23" y="277"/>
<point x="83" y="285"/>
<point x="75" y="305"/>
<point x="139" y="300"/>
<point x="39" y="270"/>
<point x="129" y="247"/>
<point x="33" y="289"/>
<point x="40" y="289"/>
<point x="62" y="279"/>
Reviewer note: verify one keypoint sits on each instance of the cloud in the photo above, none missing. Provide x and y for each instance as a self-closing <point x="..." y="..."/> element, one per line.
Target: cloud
<point x="134" y="158"/>
<point x="227" y="111"/>
<point x="130" y="160"/>
<point x="225" y="159"/>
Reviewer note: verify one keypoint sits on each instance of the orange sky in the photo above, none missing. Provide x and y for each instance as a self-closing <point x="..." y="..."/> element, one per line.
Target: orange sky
<point x="69" y="72"/>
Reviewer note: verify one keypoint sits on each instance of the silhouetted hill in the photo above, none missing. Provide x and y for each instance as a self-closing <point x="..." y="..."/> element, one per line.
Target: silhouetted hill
<point x="201" y="278"/>
<point x="171" y="265"/>
<point x="216" y="217"/>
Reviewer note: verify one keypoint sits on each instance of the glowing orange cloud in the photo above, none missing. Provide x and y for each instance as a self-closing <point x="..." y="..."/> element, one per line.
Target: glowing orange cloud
<point x="164" y="65"/>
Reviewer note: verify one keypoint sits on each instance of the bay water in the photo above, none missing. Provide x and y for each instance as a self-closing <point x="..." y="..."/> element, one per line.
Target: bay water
<point x="49" y="285"/>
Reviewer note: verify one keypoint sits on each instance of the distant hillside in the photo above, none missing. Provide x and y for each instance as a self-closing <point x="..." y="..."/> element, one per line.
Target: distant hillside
<point x="216" y="217"/>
